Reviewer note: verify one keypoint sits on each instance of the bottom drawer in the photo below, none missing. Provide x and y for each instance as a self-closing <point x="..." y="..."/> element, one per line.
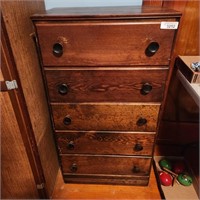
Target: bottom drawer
<point x="113" y="180"/>
<point x="105" y="165"/>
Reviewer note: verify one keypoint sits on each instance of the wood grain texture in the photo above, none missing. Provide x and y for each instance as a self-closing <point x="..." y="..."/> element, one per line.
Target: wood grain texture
<point x="107" y="179"/>
<point x="93" y="191"/>
<point x="180" y="124"/>
<point x="85" y="37"/>
<point x="181" y="115"/>
<point x="187" y="44"/>
<point x="113" y="165"/>
<point x="89" y="44"/>
<point x="114" y="84"/>
<point x="120" y="143"/>
<point x="21" y="113"/>
<point x="105" y="116"/>
<point x="48" y="156"/>
<point x="188" y="35"/>
<point x="1" y="76"/>
<point x="109" y="12"/>
<point x="178" y="101"/>
<point x="152" y="3"/>
<point x="17" y="181"/>
<point x="19" y="26"/>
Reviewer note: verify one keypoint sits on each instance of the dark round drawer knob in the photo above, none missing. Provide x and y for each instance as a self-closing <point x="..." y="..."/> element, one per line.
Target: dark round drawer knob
<point x="136" y="169"/>
<point x="141" y="121"/>
<point x="57" y="49"/>
<point x="67" y="120"/>
<point x="138" y="147"/>
<point x="74" y="167"/>
<point x="152" y="49"/>
<point x="146" y="88"/>
<point x="63" y="89"/>
<point x="70" y="145"/>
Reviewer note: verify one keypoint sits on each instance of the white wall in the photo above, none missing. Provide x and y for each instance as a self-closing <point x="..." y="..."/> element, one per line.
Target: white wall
<point x="90" y="3"/>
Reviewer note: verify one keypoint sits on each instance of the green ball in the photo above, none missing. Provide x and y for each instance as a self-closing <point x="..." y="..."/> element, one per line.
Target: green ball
<point x="165" y="163"/>
<point x="184" y="179"/>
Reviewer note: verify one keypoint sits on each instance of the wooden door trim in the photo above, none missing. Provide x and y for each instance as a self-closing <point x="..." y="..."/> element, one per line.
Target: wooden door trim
<point x="10" y="72"/>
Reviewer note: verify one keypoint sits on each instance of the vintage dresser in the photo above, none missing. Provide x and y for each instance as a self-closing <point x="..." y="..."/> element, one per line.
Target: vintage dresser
<point x="106" y="72"/>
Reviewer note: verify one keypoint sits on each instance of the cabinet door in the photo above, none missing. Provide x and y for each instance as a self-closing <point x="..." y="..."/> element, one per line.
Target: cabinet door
<point x="16" y="175"/>
<point x="21" y="170"/>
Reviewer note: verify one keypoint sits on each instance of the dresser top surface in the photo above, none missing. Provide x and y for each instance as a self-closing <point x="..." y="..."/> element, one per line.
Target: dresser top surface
<point x="106" y="12"/>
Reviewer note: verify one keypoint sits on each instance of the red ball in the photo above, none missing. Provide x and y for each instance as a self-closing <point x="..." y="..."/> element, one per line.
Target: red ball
<point x="165" y="178"/>
<point x="178" y="167"/>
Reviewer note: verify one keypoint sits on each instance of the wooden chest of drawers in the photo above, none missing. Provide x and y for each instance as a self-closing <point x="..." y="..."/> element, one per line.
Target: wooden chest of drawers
<point x="105" y="72"/>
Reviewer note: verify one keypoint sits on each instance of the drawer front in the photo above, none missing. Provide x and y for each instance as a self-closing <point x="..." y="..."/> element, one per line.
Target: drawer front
<point x="93" y="142"/>
<point x="104" y="43"/>
<point x="106" y="165"/>
<point x="106" y="116"/>
<point x="70" y="85"/>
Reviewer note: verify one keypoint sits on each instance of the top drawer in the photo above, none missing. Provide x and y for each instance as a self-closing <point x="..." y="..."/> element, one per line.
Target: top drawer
<point x="104" y="43"/>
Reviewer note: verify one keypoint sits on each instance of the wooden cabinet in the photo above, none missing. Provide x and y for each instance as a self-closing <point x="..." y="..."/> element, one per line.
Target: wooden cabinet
<point x="106" y="72"/>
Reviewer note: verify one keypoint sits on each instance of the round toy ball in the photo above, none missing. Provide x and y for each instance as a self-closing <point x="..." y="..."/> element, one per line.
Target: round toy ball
<point x="178" y="167"/>
<point x="165" y="163"/>
<point x="165" y="178"/>
<point x="184" y="179"/>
